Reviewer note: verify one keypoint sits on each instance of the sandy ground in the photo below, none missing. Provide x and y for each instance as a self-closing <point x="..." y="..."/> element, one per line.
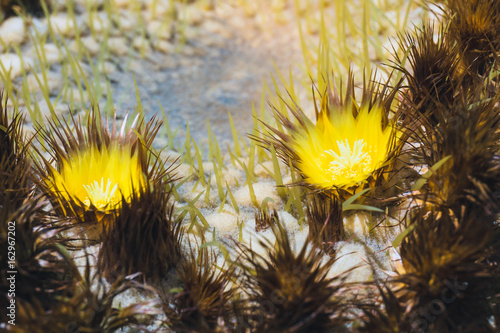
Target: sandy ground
<point x="212" y="75"/>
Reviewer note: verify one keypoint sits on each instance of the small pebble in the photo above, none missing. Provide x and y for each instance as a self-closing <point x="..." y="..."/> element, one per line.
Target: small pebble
<point x="158" y="29"/>
<point x="262" y="191"/>
<point x="108" y="67"/>
<point x="128" y="21"/>
<point x="62" y="24"/>
<point x="189" y="195"/>
<point x="160" y="9"/>
<point x="12" y="62"/>
<point x="38" y="27"/>
<point x="118" y="46"/>
<point x="90" y="3"/>
<point x="289" y="222"/>
<point x="52" y="53"/>
<point x="229" y="176"/>
<point x="13" y="31"/>
<point x="165" y="47"/>
<point x="184" y="170"/>
<point x="100" y="22"/>
<point x="77" y="97"/>
<point x="225" y="223"/>
<point x="213" y="27"/>
<point x="55" y="82"/>
<point x="89" y="44"/>
<point x="169" y="155"/>
<point x="141" y="44"/>
<point x="123" y="3"/>
<point x="59" y="109"/>
<point x="349" y="256"/>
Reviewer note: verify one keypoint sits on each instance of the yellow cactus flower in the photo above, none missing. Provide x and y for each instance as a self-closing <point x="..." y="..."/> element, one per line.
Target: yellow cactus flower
<point x="352" y="144"/>
<point x="93" y="170"/>
<point x="98" y="178"/>
<point x="341" y="150"/>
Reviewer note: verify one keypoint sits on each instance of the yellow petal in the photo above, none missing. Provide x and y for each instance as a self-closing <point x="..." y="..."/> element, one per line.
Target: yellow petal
<point x="343" y="151"/>
<point x="98" y="178"/>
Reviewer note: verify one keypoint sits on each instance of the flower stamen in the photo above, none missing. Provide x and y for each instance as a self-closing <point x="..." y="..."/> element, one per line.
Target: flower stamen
<point x="349" y="163"/>
<point x="101" y="196"/>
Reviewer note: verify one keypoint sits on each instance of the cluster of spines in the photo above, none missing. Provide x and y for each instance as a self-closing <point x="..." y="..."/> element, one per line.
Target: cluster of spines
<point x="450" y="254"/>
<point x="51" y="291"/>
<point x="205" y="302"/>
<point x="63" y="140"/>
<point x="474" y="26"/>
<point x="326" y="225"/>
<point x="264" y="219"/>
<point x="15" y="164"/>
<point x="25" y="240"/>
<point x="144" y="236"/>
<point x="32" y="260"/>
<point x="88" y="307"/>
<point x="288" y="290"/>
